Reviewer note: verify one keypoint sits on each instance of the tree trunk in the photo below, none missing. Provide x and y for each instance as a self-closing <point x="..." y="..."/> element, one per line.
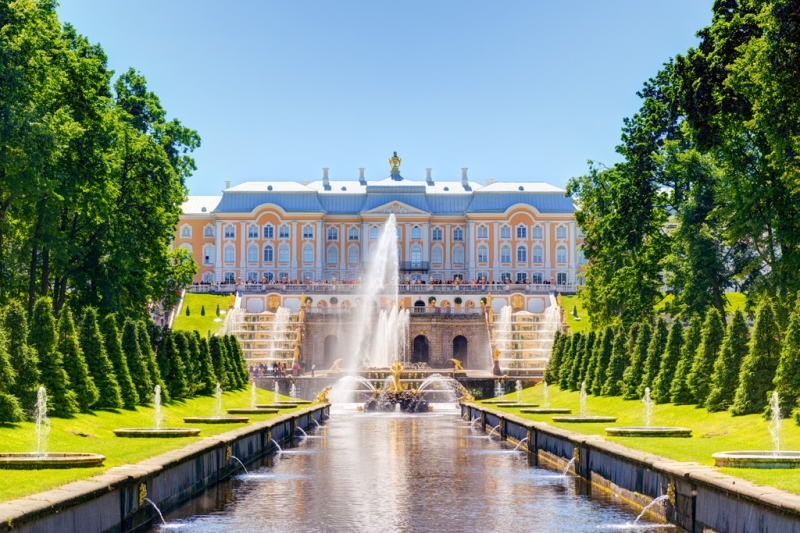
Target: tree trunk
<point x="32" y="273"/>
<point x="45" y="272"/>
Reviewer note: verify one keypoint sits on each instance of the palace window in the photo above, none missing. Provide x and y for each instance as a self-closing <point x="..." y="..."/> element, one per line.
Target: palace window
<point x="399" y="233"/>
<point x="269" y="231"/>
<point x="561" y="278"/>
<point x="333" y="234"/>
<point x="352" y="255"/>
<point x="230" y="232"/>
<point x="283" y="231"/>
<point x="186" y="231"/>
<point x="269" y="276"/>
<point x="505" y="277"/>
<point x="436" y="255"/>
<point x="416" y="233"/>
<point x="537" y="278"/>
<point x="308" y="254"/>
<point x="373" y="232"/>
<point x="458" y="256"/>
<point x="416" y="254"/>
<point x="230" y="277"/>
<point x="252" y="254"/>
<point x="283" y="276"/>
<point x="186" y="246"/>
<point x="252" y="277"/>
<point x="208" y="277"/>
<point x="561" y="232"/>
<point x="482" y="276"/>
<point x="252" y="233"/>
<point x="521" y="277"/>
<point x="505" y="232"/>
<point x="208" y="254"/>
<point x="208" y="232"/>
<point x="283" y="254"/>
<point x="308" y="231"/>
<point x="437" y="234"/>
<point x="308" y="276"/>
<point x="268" y="254"/>
<point x="333" y="255"/>
<point x="483" y="254"/>
<point x="352" y="234"/>
<point x="505" y="254"/>
<point x="522" y="254"/>
<point x="537" y="255"/>
<point x="458" y="234"/>
<point x="522" y="232"/>
<point x="483" y="232"/>
<point x="230" y="254"/>
<point x="561" y="255"/>
<point x="536" y="232"/>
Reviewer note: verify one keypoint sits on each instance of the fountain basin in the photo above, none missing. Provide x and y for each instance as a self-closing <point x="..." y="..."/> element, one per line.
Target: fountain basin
<point x="216" y="420"/>
<point x="34" y="460"/>
<point x="301" y="402"/>
<point x="649" y="431"/>
<point x="516" y="405"/>
<point x="757" y="459"/>
<point x="583" y="419"/>
<point x="547" y="411"/>
<point x="153" y="433"/>
<point x="499" y="401"/>
<point x="251" y="411"/>
<point x="276" y="405"/>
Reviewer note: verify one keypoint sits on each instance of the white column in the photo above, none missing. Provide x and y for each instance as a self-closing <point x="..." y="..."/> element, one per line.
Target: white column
<point x="548" y="267"/>
<point x="447" y="240"/>
<point x="426" y="239"/>
<point x="496" y="256"/>
<point x="364" y="245"/>
<point x="218" y="251"/>
<point x="243" y="253"/>
<point x="320" y="243"/>
<point x="294" y="238"/>
<point x="342" y="249"/>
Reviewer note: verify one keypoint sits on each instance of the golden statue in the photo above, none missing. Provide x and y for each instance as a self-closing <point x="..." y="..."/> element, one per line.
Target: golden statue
<point x="457" y="364"/>
<point x="299" y="335"/>
<point x="496" y="354"/>
<point x="296" y="352"/>
<point x="273" y="302"/>
<point x="489" y="299"/>
<point x="465" y="395"/>
<point x="397" y="370"/>
<point x="400" y="305"/>
<point x="395" y="161"/>
<point x="335" y="366"/>
<point x="490" y="316"/>
<point x="517" y="302"/>
<point x="303" y="300"/>
<point x="322" y="397"/>
<point x="301" y="316"/>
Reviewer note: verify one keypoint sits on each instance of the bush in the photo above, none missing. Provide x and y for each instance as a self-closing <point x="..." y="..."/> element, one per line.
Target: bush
<point x="62" y="400"/>
<point x="10" y="411"/>
<point x="760" y="364"/>
<point x="114" y="349"/>
<point x="217" y="309"/>
<point x="655" y="350"/>
<point x="217" y="351"/>
<point x="575" y="311"/>
<point x="603" y="357"/>
<point x="75" y="363"/>
<point x="725" y="379"/>
<point x="100" y="367"/>
<point x="431" y="300"/>
<point x="188" y="313"/>
<point x="669" y="361"/>
<point x="576" y="362"/>
<point x="679" y="391"/>
<point x="458" y="300"/>
<point x="23" y="358"/>
<point x="202" y="310"/>
<point x="234" y="366"/>
<point x="206" y="378"/>
<point x="140" y="374"/>
<point x="176" y="376"/>
<point x="616" y="366"/>
<point x="712" y="335"/>
<point x="551" y="371"/>
<point x="787" y="377"/>
<point x="632" y="376"/>
<point x="589" y="361"/>
<point x="149" y="358"/>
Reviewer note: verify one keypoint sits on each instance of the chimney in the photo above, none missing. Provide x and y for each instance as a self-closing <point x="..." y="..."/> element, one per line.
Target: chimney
<point x="325" y="183"/>
<point x="489" y="181"/>
<point x="227" y="184"/>
<point x="428" y="178"/>
<point x="361" y="179"/>
<point x="464" y="180"/>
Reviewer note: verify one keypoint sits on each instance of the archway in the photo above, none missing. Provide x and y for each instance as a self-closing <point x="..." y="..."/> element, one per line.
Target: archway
<point x="330" y="349"/>
<point x="460" y="350"/>
<point x="419" y="303"/>
<point x="420" y="349"/>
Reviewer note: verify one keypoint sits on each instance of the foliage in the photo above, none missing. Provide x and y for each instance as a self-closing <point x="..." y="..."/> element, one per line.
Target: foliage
<point x="578" y="351"/>
<point x="10" y="410"/>
<point x="431" y="300"/>
<point x="198" y="321"/>
<point x="202" y="310"/>
<point x="24" y="360"/>
<point x="239" y="363"/>
<point x="632" y="376"/>
<point x="679" y="392"/>
<point x="787" y="377"/>
<point x="725" y="379"/>
<point x="619" y="361"/>
<point x="218" y="354"/>
<point x="759" y="365"/>
<point x="590" y="360"/>
<point x="669" y="361"/>
<point x="603" y="358"/>
<point x="100" y="367"/>
<point x="188" y="313"/>
<point x="711" y="337"/>
<point x="457" y="300"/>
<point x="206" y="377"/>
<point x="560" y="340"/>
<point x="653" y="359"/>
<point x="81" y="381"/>
<point x="140" y="374"/>
<point x="191" y="359"/>
<point x="149" y="358"/>
<point x="177" y="349"/>
<point x="113" y="346"/>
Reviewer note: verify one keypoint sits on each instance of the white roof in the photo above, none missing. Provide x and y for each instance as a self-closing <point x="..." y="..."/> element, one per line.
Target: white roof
<point x="269" y="186"/>
<point x="195" y="205"/>
<point x="339" y="187"/>
<point x="527" y="186"/>
<point x="453" y="187"/>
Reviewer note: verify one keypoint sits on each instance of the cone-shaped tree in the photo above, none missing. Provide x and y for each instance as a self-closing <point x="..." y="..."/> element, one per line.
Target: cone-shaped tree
<point x="591" y="367"/>
<point x="576" y="359"/>
<point x="187" y="311"/>
<point x="633" y="336"/>
<point x="149" y="357"/>
<point x="23" y="358"/>
<point x="176" y="348"/>
<point x="10" y="410"/>
<point x="192" y="361"/>
<point x="551" y="371"/>
<point x="787" y="377"/>
<point x="679" y="392"/>
<point x="140" y="374"/>
<point x="239" y="361"/>
<point x="233" y="362"/>
<point x="61" y="399"/>
<point x="566" y="361"/>
<point x="75" y="363"/>
<point x="669" y="362"/>
<point x="711" y="337"/>
<point x="632" y="376"/>
<point x="654" y="352"/>
<point x="603" y="360"/>
<point x="587" y="372"/>
<point x="206" y="378"/>
<point x="113" y="346"/>
<point x="202" y="310"/>
<point x="216" y="349"/>
<point x="100" y="367"/>
<point x="612" y="386"/>
<point x="760" y="364"/>
<point x="725" y="379"/>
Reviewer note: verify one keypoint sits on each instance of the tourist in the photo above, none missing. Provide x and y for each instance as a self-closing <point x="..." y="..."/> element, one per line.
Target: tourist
<point x="313" y="367"/>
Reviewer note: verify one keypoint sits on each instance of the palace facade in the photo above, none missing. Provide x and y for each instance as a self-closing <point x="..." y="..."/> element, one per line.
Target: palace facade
<point x="326" y="229"/>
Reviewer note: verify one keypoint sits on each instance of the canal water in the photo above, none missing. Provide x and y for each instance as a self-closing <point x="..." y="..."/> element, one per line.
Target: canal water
<point x="411" y="473"/>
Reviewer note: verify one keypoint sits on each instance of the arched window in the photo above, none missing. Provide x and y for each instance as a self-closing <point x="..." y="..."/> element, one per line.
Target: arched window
<point x="252" y="254"/>
<point x="373" y="232"/>
<point x="561" y="232"/>
<point x="208" y="232"/>
<point x="268" y="254"/>
<point x="333" y="255"/>
<point x="208" y="255"/>
<point x="352" y="234"/>
<point x="186" y="246"/>
<point x="269" y="231"/>
<point x="522" y="232"/>
<point x="505" y="254"/>
<point x="352" y="255"/>
<point x="416" y="254"/>
<point x="580" y="257"/>
<point x="458" y="255"/>
<point x="283" y="254"/>
<point x="505" y="232"/>
<point x="437" y="234"/>
<point x="308" y="254"/>
<point x="436" y="255"/>
<point x="308" y="231"/>
<point x="561" y="255"/>
<point x="536" y="232"/>
<point x="483" y="254"/>
<point x="333" y="234"/>
<point x="483" y="232"/>
<point x="458" y="234"/>
<point x="416" y="233"/>
<point x="230" y="232"/>
<point x="283" y="231"/>
<point x="230" y="254"/>
<point x="252" y="233"/>
<point x="186" y="231"/>
<point x="537" y="255"/>
<point x="522" y="254"/>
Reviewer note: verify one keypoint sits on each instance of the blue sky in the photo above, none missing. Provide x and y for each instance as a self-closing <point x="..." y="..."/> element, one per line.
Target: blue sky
<point x="277" y="90"/>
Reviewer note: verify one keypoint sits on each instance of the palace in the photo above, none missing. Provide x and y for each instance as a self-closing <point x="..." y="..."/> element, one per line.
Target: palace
<point x="522" y="232"/>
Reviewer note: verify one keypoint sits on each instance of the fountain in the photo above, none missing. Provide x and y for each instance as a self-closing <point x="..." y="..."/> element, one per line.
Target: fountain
<point x="519" y="391"/>
<point x="276" y="394"/>
<point x="241" y="463"/>
<point x="647" y="430"/>
<point x="763" y="459"/>
<point x="41" y="458"/>
<point x="394" y="395"/>
<point x="545" y="395"/>
<point x="157" y="431"/>
<point x="583" y="416"/>
<point x="493" y="429"/>
<point x="218" y="417"/>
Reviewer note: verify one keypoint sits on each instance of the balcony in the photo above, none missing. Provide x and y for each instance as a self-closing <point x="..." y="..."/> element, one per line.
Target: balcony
<point x="418" y="266"/>
<point x="357" y="288"/>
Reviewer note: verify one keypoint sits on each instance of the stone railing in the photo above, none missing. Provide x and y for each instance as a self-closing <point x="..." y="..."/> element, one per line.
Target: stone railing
<point x="355" y="288"/>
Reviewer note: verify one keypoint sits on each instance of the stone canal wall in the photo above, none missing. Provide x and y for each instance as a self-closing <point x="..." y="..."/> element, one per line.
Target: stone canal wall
<point x="701" y="499"/>
<point x="114" y="500"/>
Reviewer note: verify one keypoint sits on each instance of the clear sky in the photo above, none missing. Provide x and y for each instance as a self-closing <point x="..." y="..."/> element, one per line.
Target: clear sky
<point x="525" y="90"/>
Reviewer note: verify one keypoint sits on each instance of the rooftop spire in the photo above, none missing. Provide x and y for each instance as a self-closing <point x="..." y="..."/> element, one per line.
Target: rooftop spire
<point x="395" y="162"/>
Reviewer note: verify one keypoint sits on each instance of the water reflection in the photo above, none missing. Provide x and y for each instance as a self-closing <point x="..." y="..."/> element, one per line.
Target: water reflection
<point x="417" y="473"/>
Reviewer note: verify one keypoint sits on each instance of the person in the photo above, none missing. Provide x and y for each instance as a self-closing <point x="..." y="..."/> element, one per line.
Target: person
<point x="295" y="369"/>
<point x="275" y="369"/>
<point x="313" y="367"/>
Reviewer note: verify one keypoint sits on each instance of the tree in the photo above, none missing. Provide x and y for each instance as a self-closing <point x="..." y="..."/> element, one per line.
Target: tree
<point x="679" y="392"/>
<point x="140" y="374"/>
<point x="188" y="313"/>
<point x="191" y="361"/>
<point x="100" y="367"/>
<point x="218" y="309"/>
<point x="113" y="346"/>
<point x="177" y="348"/>
<point x="62" y="401"/>
<point x="759" y="366"/>
<point x="612" y="385"/>
<point x="787" y="377"/>
<point x="566" y="361"/>
<point x="603" y="359"/>
<point x="632" y="376"/>
<point x="234" y="373"/>
<point x="662" y="384"/>
<point x="202" y="310"/>
<point x="81" y="380"/>
<point x="711" y="337"/>
<point x="149" y="357"/>
<point x="553" y="364"/>
<point x="240" y="365"/>
<point x="592" y="355"/>
<point x="206" y="378"/>
<point x="576" y="361"/>
<point x="216" y="350"/>
<point x="725" y="379"/>
<point x="22" y="357"/>
<point x="654" y="352"/>
<point x="10" y="410"/>
<point x="587" y="372"/>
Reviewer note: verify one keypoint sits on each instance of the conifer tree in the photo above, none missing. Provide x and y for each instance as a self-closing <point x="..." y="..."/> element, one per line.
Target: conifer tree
<point x="711" y="337"/>
<point x="191" y="361"/>
<point x="669" y="362"/>
<point x="241" y="363"/>
<point x="24" y="359"/>
<point x="632" y="376"/>
<point x="591" y="367"/>
<point x="62" y="400"/>
<point x="149" y="357"/>
<point x="616" y="366"/>
<point x="188" y="313"/>
<point x="759" y="366"/>
<point x="588" y="348"/>
<point x="234" y="361"/>
<point x="140" y="374"/>
<point x="75" y="363"/>
<point x="633" y="336"/>
<point x="176" y="349"/>
<point x="566" y="361"/>
<point x="202" y="310"/>
<point x="206" y="378"/>
<point x="215" y="349"/>
<point x="10" y="410"/>
<point x="113" y="346"/>
<point x="679" y="392"/>
<point x="551" y="371"/>
<point x="654" y="352"/>
<point x="233" y="377"/>
<point x="787" y="377"/>
<point x="603" y="359"/>
<point x="100" y="367"/>
<point x="578" y="351"/>
<point x="725" y="379"/>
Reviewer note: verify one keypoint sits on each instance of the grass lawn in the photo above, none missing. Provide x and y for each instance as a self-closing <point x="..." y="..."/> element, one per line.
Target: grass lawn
<point x="203" y="324"/>
<point x="93" y="433"/>
<point x="712" y="432"/>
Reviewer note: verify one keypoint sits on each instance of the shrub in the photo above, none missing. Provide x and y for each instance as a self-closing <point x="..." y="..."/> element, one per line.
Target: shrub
<point x="217" y="309"/>
<point x="22" y="357"/>
<point x="616" y="366"/>
<point x="760" y="364"/>
<point x="575" y="311"/>
<point x="458" y="300"/>
<point x="100" y="367"/>
<point x="188" y="313"/>
<point x="114" y="350"/>
<point x="576" y="362"/>
<point x="679" y="391"/>
<point x="589" y="361"/>
<point x="217" y="351"/>
<point x="787" y="377"/>
<point x="603" y="357"/>
<point x="206" y="378"/>
<point x="202" y="310"/>
<point x="176" y="378"/>
<point x="725" y="379"/>
<point x="711" y="337"/>
<point x="62" y="400"/>
<point x="669" y="361"/>
<point x="10" y="411"/>
<point x="81" y="380"/>
<point x="632" y="376"/>
<point x="149" y="358"/>
<point x="654" y="352"/>
<point x="140" y="374"/>
<point x="431" y="300"/>
<point x="566" y="361"/>
<point x="551" y="372"/>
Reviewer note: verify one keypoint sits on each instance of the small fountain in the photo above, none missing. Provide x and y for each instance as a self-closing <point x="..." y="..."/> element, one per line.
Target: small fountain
<point x="41" y="458"/>
<point x="241" y="463"/>
<point x="276" y="394"/>
<point x="583" y="416"/>
<point x="519" y="391"/>
<point x="278" y="446"/>
<point x="301" y="430"/>
<point x="161" y="516"/>
<point x="660" y="499"/>
<point x="218" y="417"/>
<point x="566" y="468"/>
<point x="293" y="390"/>
<point x="763" y="459"/>
<point x="520" y="443"/>
<point x="394" y="397"/>
<point x="157" y="431"/>
<point x="510" y="403"/>
<point x="545" y="395"/>
<point x="648" y="430"/>
<point x="493" y="429"/>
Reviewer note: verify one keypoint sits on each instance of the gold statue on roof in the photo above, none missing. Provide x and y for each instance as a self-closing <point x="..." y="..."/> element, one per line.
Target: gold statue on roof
<point x="395" y="162"/>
